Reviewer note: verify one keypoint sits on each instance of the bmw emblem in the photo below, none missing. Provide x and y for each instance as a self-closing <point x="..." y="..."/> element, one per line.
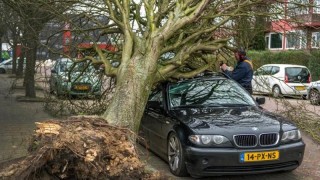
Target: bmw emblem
<point x="255" y="129"/>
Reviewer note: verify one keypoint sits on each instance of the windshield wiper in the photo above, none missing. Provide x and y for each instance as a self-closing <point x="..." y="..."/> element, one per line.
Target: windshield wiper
<point x="237" y="105"/>
<point x="199" y="106"/>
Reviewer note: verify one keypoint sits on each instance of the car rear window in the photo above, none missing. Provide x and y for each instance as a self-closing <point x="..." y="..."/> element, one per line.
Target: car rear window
<point x="297" y="74"/>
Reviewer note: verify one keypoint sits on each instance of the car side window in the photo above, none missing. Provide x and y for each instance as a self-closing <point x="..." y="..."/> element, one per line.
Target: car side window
<point x="275" y="70"/>
<point x="156" y="96"/>
<point x="9" y="63"/>
<point x="259" y="71"/>
<point x="265" y="70"/>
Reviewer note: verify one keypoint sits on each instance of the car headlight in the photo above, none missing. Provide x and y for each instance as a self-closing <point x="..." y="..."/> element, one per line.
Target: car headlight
<point x="209" y="140"/>
<point x="292" y="135"/>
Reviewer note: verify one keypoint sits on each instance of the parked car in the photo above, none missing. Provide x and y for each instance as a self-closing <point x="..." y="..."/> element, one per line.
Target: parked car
<point x="281" y="79"/>
<point x="210" y="125"/>
<point x="74" y="79"/>
<point x="6" y="66"/>
<point x="314" y="93"/>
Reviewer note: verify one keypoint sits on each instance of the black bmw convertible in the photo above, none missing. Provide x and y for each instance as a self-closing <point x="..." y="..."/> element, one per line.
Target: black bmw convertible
<point x="210" y="125"/>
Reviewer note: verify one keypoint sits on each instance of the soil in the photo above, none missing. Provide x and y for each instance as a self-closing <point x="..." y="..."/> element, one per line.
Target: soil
<point x="80" y="148"/>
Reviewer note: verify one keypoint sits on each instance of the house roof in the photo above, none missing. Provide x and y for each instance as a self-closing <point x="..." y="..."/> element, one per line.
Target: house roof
<point x="281" y="26"/>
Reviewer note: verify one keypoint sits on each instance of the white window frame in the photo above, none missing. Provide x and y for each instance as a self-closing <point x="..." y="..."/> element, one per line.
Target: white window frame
<point x="296" y="9"/>
<point x="269" y="44"/>
<point x="314" y="34"/>
<point x="316" y="6"/>
<point x="300" y="35"/>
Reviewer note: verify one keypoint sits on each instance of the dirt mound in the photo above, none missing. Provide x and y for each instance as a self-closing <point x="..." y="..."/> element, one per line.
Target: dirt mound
<point x="80" y="148"/>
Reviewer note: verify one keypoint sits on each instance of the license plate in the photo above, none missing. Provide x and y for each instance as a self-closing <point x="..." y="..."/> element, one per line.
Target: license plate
<point x="81" y="87"/>
<point x="259" y="156"/>
<point x="300" y="88"/>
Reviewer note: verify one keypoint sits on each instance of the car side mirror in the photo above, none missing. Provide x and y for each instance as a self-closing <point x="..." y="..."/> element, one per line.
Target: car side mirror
<point x="53" y="71"/>
<point x="260" y="100"/>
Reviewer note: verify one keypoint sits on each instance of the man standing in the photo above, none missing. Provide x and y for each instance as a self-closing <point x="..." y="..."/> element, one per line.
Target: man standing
<point x="243" y="72"/>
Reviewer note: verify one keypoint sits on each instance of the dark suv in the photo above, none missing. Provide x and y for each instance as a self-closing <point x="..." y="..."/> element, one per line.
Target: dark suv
<point x="210" y="125"/>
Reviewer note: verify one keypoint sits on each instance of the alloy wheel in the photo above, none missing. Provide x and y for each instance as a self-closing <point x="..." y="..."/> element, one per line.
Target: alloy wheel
<point x="174" y="153"/>
<point x="276" y="92"/>
<point x="176" y="157"/>
<point x="2" y="71"/>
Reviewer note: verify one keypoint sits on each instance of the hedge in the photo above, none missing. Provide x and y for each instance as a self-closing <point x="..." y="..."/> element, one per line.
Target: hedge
<point x="310" y="59"/>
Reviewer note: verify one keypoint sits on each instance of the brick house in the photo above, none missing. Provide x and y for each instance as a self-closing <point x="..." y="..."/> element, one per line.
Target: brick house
<point x="298" y="28"/>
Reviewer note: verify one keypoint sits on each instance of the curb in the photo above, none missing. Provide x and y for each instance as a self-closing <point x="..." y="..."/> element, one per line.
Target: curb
<point x="29" y="99"/>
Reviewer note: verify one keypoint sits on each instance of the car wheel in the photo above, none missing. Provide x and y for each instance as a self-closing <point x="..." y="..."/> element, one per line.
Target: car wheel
<point x="60" y="95"/>
<point x="2" y="71"/>
<point x="176" y="156"/>
<point x="314" y="97"/>
<point x="276" y="92"/>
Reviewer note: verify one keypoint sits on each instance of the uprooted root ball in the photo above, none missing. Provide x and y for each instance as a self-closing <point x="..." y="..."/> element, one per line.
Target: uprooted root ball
<point x="81" y="148"/>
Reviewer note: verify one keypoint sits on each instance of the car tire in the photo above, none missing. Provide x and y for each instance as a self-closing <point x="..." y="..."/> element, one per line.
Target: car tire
<point x="314" y="96"/>
<point x="2" y="71"/>
<point x="276" y="92"/>
<point x="176" y="157"/>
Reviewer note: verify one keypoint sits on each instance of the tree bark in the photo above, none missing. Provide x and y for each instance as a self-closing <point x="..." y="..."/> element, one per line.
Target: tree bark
<point x="1" y="47"/>
<point x="31" y="52"/>
<point x="14" y="54"/>
<point x="19" y="72"/>
<point x="132" y="90"/>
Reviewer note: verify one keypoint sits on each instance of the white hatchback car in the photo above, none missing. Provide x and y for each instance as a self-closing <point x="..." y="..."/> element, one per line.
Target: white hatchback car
<point x="281" y="79"/>
<point x="5" y="66"/>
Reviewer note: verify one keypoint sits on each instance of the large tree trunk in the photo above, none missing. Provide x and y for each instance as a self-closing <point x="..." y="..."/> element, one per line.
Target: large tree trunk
<point x="14" y="55"/>
<point x="1" y="47"/>
<point x="132" y="91"/>
<point x="31" y="53"/>
<point x="20" y="68"/>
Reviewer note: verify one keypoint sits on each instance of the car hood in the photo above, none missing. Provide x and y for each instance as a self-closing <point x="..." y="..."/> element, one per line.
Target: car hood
<point x="233" y="120"/>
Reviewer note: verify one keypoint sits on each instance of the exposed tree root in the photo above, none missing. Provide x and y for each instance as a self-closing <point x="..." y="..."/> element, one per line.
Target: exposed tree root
<point x="80" y="148"/>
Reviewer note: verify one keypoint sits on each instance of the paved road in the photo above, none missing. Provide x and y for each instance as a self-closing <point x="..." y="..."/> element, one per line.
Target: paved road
<point x="17" y="123"/>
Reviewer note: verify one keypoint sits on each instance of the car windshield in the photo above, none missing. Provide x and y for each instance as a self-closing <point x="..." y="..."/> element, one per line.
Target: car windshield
<point x="208" y="93"/>
<point x="79" y="67"/>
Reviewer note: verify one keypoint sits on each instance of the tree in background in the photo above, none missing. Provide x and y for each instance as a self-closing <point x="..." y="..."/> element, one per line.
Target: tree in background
<point x="12" y="22"/>
<point x="2" y="27"/>
<point x="34" y="14"/>
<point x="250" y="30"/>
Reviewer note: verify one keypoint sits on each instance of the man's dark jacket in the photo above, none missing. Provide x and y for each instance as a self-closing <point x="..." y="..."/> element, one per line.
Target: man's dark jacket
<point x="242" y="73"/>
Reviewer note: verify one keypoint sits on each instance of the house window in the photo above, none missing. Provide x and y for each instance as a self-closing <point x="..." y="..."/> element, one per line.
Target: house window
<point x="316" y="8"/>
<point x="296" y="40"/>
<point x="267" y="42"/>
<point x="298" y="7"/>
<point x="315" y="40"/>
<point x="292" y="40"/>
<point x="275" y="41"/>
